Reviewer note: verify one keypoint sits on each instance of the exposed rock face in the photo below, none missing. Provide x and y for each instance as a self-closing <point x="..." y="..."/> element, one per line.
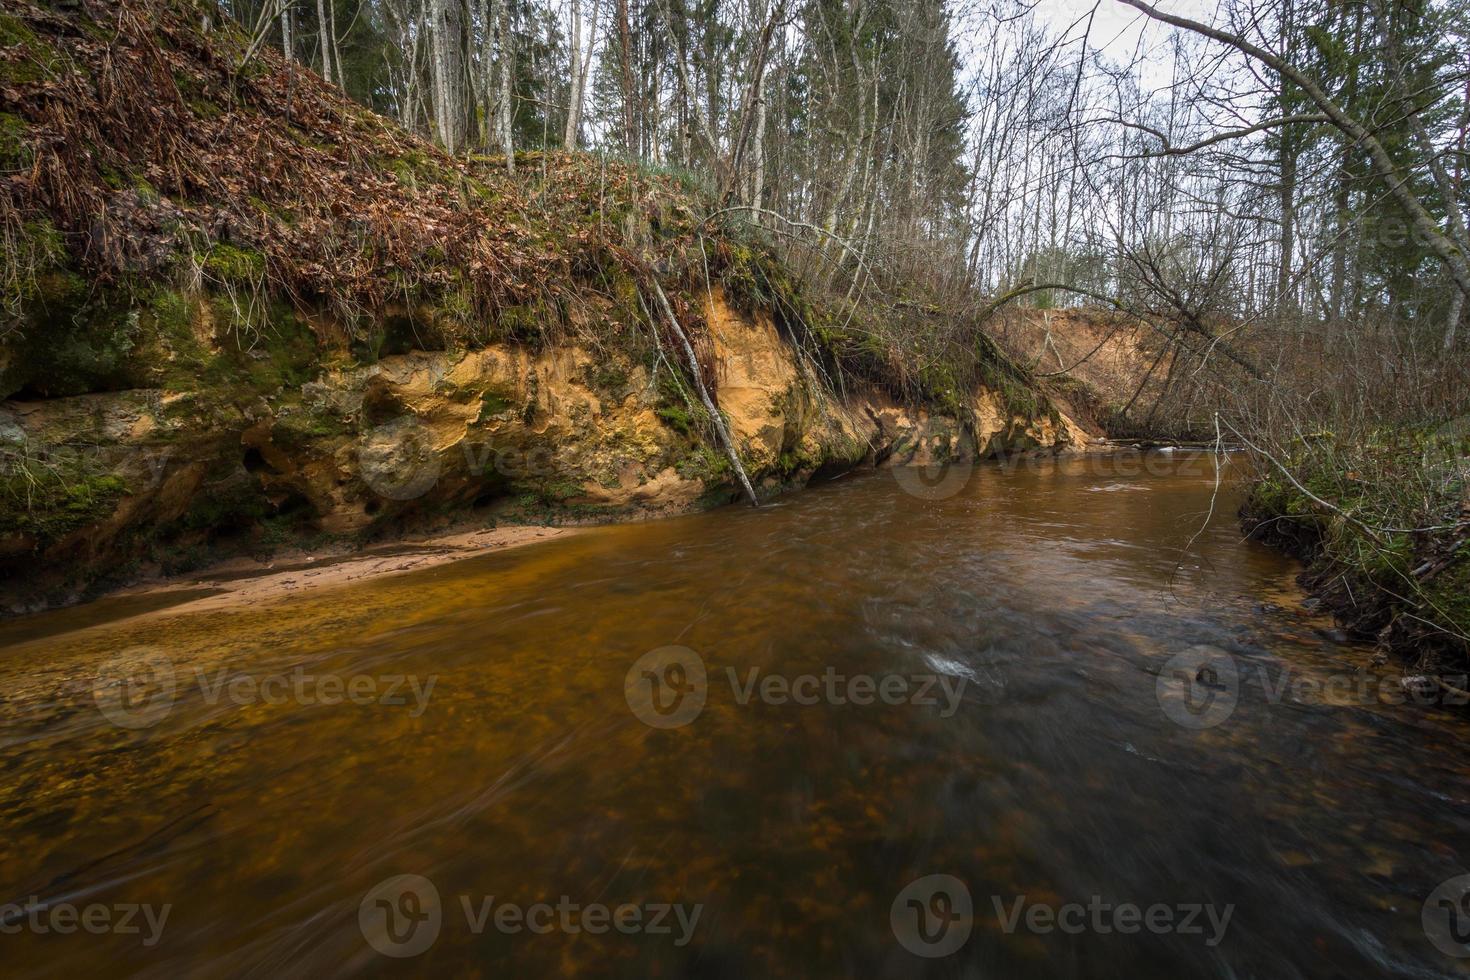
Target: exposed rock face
<point x="429" y="434"/>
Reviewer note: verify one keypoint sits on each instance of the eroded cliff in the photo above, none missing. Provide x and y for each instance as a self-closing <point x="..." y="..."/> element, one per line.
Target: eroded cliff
<point x="242" y="313"/>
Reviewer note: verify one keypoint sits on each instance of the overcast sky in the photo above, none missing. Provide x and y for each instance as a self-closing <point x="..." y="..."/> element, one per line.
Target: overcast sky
<point x="1116" y="26"/>
<point x="1117" y="29"/>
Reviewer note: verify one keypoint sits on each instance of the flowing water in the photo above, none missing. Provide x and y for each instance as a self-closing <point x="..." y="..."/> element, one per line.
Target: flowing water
<point x="1034" y="742"/>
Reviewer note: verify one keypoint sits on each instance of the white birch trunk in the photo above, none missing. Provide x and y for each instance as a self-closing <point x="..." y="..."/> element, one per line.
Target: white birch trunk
<point x="758" y="147"/>
<point x="505" y="50"/>
<point x="574" y="95"/>
<point x="324" y="39"/>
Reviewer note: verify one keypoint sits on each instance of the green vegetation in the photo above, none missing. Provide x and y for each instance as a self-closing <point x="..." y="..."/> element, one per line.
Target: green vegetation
<point x="228" y="264"/>
<point x="29" y="59"/>
<point x="15" y="152"/>
<point x="302" y="428"/>
<point x="493" y="403"/>
<point x="705" y="463"/>
<point x="1381" y="518"/>
<point x="46" y="498"/>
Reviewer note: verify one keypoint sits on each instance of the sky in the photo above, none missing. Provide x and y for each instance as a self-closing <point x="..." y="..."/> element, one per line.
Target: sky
<point x="1117" y="28"/>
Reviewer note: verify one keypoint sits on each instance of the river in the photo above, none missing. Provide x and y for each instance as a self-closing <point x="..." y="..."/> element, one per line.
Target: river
<point x="744" y="743"/>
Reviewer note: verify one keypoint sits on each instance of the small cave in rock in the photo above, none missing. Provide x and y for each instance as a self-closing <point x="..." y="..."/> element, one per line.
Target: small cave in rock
<point x="400" y="335"/>
<point x="254" y="462"/>
<point x="379" y="404"/>
<point x="293" y="505"/>
<point x="831" y="469"/>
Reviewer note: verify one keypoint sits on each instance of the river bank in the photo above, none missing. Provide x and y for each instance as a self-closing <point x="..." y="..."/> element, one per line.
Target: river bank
<point x="1413" y="618"/>
<point x="247" y="582"/>
<point x="1383" y="547"/>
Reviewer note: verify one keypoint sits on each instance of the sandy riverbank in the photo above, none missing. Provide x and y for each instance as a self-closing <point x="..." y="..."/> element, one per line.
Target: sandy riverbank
<point x="248" y="582"/>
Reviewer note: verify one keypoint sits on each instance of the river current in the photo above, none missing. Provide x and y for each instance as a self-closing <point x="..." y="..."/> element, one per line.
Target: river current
<point x="1049" y="718"/>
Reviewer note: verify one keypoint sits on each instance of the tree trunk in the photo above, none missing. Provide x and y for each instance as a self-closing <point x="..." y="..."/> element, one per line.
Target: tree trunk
<point x="1459" y="234"/>
<point x="505" y="46"/>
<point x="449" y="73"/>
<point x="758" y="148"/>
<point x="574" y="66"/>
<point x="625" y="59"/>
<point x="332" y="39"/>
<point x="324" y="36"/>
<point x="1452" y="325"/>
<point x="486" y="89"/>
<point x="1284" y="299"/>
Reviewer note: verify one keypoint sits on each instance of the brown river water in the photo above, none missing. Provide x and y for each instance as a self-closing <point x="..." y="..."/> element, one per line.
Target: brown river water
<point x="990" y="690"/>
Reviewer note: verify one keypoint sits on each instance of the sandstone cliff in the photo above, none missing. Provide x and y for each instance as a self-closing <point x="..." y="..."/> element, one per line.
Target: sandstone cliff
<point x="500" y="433"/>
<point x="239" y="312"/>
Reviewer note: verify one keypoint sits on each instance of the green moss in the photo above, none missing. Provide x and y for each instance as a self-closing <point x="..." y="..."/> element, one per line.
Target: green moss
<point x="15" y="151"/>
<point x="1375" y="482"/>
<point x="233" y="265"/>
<point x="1275" y="497"/>
<point x="173" y="316"/>
<point x="69" y="342"/>
<point x="548" y="493"/>
<point x="522" y="322"/>
<point x="457" y="304"/>
<point x="290" y="353"/>
<point x="677" y="418"/>
<point x="415" y="167"/>
<point x="27" y="57"/>
<point x="281" y="353"/>
<point x="624" y="289"/>
<point x="196" y="97"/>
<point x="35" y="286"/>
<point x="562" y="489"/>
<point x="48" y="499"/>
<point x="47" y="241"/>
<point x="15" y="33"/>
<point x="704" y="463"/>
<point x="494" y="402"/>
<point x="941" y="387"/>
<point x="28" y="257"/>
<point x="236" y="503"/>
<point x="794" y="460"/>
<point x="607" y="376"/>
<point x="677" y="408"/>
<point x="301" y="428"/>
